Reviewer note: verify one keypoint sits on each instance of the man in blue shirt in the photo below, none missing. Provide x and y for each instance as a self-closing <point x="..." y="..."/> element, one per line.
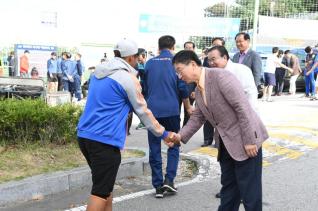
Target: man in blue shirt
<point x="163" y="90"/>
<point x="114" y="91"/>
<point x="310" y="70"/>
<point x="52" y="73"/>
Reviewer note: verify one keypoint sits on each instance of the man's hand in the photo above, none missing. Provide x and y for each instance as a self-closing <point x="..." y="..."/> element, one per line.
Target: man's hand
<point x="251" y="150"/>
<point x="169" y="139"/>
<point x="51" y="75"/>
<point x="190" y="110"/>
<point x="192" y="95"/>
<point x="172" y="139"/>
<point x="176" y="138"/>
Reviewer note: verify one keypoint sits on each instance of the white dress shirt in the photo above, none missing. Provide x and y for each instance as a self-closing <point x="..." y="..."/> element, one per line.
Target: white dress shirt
<point x="245" y="76"/>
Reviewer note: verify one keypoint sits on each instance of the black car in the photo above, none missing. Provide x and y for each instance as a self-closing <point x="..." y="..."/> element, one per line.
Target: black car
<point x="300" y="82"/>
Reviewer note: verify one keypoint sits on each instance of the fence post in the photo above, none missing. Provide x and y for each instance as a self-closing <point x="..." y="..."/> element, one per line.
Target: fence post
<point x="255" y="24"/>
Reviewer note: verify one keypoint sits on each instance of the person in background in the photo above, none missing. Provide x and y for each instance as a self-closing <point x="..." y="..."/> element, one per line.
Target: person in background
<point x="269" y="73"/>
<point x="189" y="45"/>
<point x="208" y="129"/>
<point x="248" y="57"/>
<point x="11" y="63"/>
<point x="295" y="71"/>
<point x="85" y="85"/>
<point x="142" y="58"/>
<point x="52" y="73"/>
<point x="219" y="58"/>
<point x="280" y="74"/>
<point x="311" y="59"/>
<point x="24" y="64"/>
<point x="60" y="63"/>
<point x="69" y="71"/>
<point x="34" y="73"/>
<point x="78" y="76"/>
<point x="219" y="41"/>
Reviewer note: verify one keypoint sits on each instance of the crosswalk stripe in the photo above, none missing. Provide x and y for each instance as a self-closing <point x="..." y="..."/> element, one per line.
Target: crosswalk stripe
<point x="296" y="128"/>
<point x="279" y="150"/>
<point x="295" y="139"/>
<point x="213" y="152"/>
<point x="266" y="163"/>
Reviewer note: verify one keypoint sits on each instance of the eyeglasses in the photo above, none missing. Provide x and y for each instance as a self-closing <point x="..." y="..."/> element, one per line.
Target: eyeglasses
<point x="213" y="59"/>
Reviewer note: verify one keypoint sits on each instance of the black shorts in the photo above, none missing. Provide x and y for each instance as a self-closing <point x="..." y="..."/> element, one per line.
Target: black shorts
<point x="52" y="79"/>
<point x="104" y="161"/>
<point x="270" y="79"/>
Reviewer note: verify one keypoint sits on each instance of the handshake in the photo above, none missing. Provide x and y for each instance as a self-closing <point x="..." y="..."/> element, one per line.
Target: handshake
<point x="172" y="139"/>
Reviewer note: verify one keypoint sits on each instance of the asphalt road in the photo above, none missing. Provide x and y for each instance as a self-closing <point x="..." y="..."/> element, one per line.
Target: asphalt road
<point x="290" y="175"/>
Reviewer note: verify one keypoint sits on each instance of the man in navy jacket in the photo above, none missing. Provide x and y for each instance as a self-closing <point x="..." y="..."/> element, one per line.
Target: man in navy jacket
<point x="163" y="91"/>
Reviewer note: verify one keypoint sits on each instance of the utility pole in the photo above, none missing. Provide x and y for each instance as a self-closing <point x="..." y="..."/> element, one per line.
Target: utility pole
<point x="255" y="22"/>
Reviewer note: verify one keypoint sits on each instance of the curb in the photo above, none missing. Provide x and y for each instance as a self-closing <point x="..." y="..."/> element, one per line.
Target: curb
<point x="36" y="187"/>
<point x="207" y="168"/>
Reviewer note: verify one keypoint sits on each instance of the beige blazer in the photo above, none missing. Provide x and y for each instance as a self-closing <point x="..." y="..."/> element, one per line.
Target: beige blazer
<point x="229" y="111"/>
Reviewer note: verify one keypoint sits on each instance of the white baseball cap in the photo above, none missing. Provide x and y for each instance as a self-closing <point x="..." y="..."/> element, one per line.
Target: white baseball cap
<point x="126" y="47"/>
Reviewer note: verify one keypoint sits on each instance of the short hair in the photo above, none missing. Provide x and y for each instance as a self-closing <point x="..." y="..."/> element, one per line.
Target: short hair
<point x="53" y="54"/>
<point x="26" y="51"/>
<point x="68" y="55"/>
<point x="117" y="53"/>
<point x="245" y="35"/>
<point x="275" y="49"/>
<point x="34" y="71"/>
<point x="79" y="55"/>
<point x="185" y="57"/>
<point x="222" y="50"/>
<point x="166" y="42"/>
<point x="142" y="51"/>
<point x="280" y="52"/>
<point x="189" y="42"/>
<point x="308" y="49"/>
<point x="287" y="52"/>
<point x="219" y="38"/>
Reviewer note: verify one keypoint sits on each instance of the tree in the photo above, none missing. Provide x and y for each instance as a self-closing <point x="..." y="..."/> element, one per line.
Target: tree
<point x="244" y="9"/>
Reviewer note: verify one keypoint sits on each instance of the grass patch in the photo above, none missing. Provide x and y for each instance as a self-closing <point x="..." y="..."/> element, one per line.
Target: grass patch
<point x="21" y="161"/>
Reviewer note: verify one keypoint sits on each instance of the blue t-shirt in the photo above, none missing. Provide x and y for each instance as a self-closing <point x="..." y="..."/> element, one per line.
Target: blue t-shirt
<point x="164" y="88"/>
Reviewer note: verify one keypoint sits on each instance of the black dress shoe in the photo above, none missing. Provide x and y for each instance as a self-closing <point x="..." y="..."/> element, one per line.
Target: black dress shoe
<point x="218" y="195"/>
<point x="204" y="145"/>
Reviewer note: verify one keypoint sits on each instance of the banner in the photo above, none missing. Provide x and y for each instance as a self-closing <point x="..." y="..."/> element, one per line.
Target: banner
<point x="288" y="28"/>
<point x="223" y="27"/>
<point x="39" y="54"/>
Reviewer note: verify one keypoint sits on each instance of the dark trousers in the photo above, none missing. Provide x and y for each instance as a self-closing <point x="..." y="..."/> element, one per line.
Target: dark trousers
<point x="279" y="75"/>
<point x="186" y="116"/>
<point x="59" y="82"/>
<point x="208" y="133"/>
<point x="77" y="87"/>
<point x="155" y="159"/>
<point x="129" y="122"/>
<point x="240" y="180"/>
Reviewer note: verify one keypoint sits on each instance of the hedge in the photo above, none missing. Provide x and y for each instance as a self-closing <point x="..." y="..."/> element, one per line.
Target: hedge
<point x="26" y="121"/>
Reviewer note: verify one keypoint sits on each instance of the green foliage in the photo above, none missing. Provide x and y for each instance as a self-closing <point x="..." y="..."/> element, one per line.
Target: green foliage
<point x="25" y="121"/>
<point x="244" y="9"/>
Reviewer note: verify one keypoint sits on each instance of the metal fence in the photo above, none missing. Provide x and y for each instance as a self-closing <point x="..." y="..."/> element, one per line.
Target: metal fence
<point x="287" y="24"/>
